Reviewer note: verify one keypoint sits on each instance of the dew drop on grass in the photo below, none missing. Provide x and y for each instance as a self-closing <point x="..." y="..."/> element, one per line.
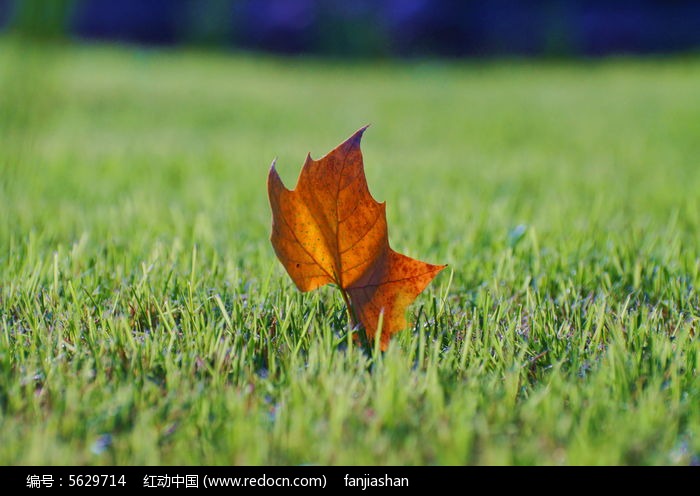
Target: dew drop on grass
<point x="101" y="444"/>
<point x="516" y="234"/>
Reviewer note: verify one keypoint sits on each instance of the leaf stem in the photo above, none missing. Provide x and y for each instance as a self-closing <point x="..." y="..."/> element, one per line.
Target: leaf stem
<point x="353" y="321"/>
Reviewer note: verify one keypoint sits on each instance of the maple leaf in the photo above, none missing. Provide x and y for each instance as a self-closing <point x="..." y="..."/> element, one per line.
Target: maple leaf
<point x="330" y="229"/>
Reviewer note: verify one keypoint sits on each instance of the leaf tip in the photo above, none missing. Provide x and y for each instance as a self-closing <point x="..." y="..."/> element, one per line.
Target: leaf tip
<point x="355" y="138"/>
<point x="439" y="268"/>
<point x="274" y="181"/>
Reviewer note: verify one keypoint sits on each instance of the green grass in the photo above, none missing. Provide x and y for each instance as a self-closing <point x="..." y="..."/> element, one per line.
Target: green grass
<point x="144" y="318"/>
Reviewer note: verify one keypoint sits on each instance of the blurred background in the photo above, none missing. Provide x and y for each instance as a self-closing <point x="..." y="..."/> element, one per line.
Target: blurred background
<point x="372" y="28"/>
<point x="103" y="103"/>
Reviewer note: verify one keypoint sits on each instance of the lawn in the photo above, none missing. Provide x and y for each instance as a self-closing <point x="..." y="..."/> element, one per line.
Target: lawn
<point x="144" y="317"/>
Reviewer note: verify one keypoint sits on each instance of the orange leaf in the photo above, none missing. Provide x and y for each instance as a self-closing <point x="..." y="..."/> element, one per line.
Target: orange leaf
<point x="329" y="229"/>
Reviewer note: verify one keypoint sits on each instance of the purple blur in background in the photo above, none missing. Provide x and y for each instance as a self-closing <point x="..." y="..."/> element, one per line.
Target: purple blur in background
<point x="373" y="28"/>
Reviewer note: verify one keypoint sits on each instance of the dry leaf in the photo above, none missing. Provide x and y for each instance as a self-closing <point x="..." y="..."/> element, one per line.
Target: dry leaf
<point x="329" y="229"/>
